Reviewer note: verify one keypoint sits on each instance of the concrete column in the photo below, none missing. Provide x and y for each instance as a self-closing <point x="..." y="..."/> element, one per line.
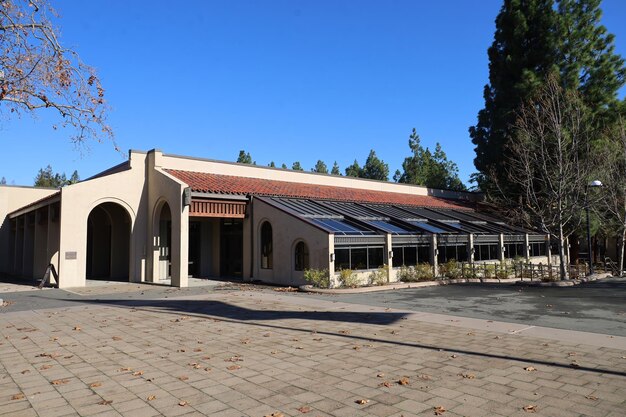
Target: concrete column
<point x="389" y="249"/>
<point x="526" y="247"/>
<point x="433" y="254"/>
<point x="501" y="248"/>
<point x="470" y="248"/>
<point x="331" y="260"/>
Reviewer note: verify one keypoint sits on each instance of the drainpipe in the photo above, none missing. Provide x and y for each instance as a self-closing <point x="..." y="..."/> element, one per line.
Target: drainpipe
<point x="251" y="238"/>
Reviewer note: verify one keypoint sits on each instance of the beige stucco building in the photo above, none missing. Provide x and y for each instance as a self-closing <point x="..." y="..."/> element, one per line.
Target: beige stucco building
<point x="163" y="218"/>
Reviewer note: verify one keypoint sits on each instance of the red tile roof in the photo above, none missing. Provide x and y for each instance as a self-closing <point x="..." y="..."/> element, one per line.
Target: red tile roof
<point x="227" y="184"/>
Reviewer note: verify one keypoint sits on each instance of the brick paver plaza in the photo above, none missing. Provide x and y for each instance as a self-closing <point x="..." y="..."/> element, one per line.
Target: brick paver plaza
<point x="243" y="352"/>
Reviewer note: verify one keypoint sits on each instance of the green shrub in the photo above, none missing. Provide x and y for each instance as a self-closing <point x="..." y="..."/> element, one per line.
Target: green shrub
<point x="502" y="272"/>
<point x="424" y="272"/>
<point x="379" y="277"/>
<point x="451" y="269"/>
<point x="348" y="279"/>
<point x="489" y="271"/>
<point x="317" y="277"/>
<point x="407" y="274"/>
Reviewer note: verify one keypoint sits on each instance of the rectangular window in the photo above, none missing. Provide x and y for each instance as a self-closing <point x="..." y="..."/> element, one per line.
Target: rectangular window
<point x="537" y="249"/>
<point x="342" y="259"/>
<point x="375" y="257"/>
<point x="398" y="256"/>
<point x="423" y="254"/>
<point x="370" y="257"/>
<point x="358" y="258"/>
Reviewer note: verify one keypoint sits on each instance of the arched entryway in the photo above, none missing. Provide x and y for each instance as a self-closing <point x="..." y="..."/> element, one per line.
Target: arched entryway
<point x="163" y="234"/>
<point x="108" y="242"/>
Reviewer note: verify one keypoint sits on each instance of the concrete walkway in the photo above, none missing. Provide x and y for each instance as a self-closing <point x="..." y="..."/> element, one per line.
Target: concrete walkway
<point x="240" y="351"/>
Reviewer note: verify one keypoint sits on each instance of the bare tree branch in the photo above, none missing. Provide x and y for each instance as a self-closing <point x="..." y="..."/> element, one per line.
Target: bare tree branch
<point x="37" y="72"/>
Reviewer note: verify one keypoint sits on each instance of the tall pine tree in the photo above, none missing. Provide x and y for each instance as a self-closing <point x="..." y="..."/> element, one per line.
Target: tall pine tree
<point x="533" y="39"/>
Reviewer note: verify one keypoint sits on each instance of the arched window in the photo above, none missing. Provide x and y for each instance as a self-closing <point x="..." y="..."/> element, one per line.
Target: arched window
<point x="266" y="246"/>
<point x="301" y="256"/>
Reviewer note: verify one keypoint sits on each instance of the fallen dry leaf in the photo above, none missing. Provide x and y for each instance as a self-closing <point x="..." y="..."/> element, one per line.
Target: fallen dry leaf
<point x="362" y="401"/>
<point x="116" y="338"/>
<point x="468" y="376"/>
<point x="95" y="385"/>
<point x="380" y="375"/>
<point x="19" y="396"/>
<point x="530" y="408"/>
<point x="304" y="409"/>
<point x="125" y="369"/>
<point x="233" y="367"/>
<point x="25" y="371"/>
<point x="275" y="414"/>
<point x="454" y="356"/>
<point x="183" y="403"/>
<point x="245" y="341"/>
<point x="183" y="377"/>
<point x="592" y="397"/>
<point x="60" y="381"/>
<point x="151" y="397"/>
<point x="530" y="368"/>
<point x="77" y="328"/>
<point x="403" y="381"/>
<point x="439" y="410"/>
<point x="385" y="384"/>
<point x="197" y="350"/>
<point x="44" y="367"/>
<point x="105" y="402"/>
<point x="344" y="332"/>
<point x="137" y="373"/>
<point x="424" y="377"/>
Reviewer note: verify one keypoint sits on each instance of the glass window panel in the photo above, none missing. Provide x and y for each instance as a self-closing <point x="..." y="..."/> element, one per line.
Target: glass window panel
<point x="493" y="252"/>
<point x="428" y="227"/>
<point x="450" y="253"/>
<point x="410" y="256"/>
<point x="301" y="256"/>
<point x="342" y="259"/>
<point x="441" y="256"/>
<point x="398" y="256"/>
<point x="388" y="227"/>
<point x="358" y="258"/>
<point x="423" y="254"/>
<point x="461" y="253"/>
<point x="375" y="257"/>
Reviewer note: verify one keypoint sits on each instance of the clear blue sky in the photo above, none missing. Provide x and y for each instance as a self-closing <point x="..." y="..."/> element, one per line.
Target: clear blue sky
<point x="285" y="80"/>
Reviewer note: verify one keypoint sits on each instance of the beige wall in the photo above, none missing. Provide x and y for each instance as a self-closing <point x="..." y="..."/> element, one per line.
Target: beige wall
<point x="286" y="232"/>
<point x="11" y="199"/>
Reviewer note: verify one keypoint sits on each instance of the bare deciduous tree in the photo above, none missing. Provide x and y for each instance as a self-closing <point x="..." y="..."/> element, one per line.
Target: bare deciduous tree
<point x="613" y="175"/>
<point x="38" y="72"/>
<point x="549" y="162"/>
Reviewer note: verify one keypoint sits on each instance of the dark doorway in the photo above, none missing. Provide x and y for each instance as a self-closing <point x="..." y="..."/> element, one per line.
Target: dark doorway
<point x="108" y="243"/>
<point x="195" y="240"/>
<point x="231" y="248"/>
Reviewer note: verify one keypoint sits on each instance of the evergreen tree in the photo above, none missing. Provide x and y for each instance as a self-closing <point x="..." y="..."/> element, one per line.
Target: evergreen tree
<point x="354" y="170"/>
<point x="374" y="168"/>
<point x="3" y="181"/>
<point x="335" y="169"/>
<point x="272" y="165"/>
<point x="74" y="178"/>
<point x="320" y="167"/>
<point x="47" y="178"/>
<point x="533" y="39"/>
<point x="284" y="166"/>
<point x="244" y="157"/>
<point x="296" y="166"/>
<point x="429" y="169"/>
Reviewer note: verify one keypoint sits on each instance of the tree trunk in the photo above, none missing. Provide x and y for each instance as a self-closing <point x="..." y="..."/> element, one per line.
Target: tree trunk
<point x="562" y="259"/>
<point x="620" y="262"/>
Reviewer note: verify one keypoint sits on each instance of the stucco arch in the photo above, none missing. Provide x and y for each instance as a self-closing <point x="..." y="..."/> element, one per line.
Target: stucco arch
<point x="109" y="228"/>
<point x="162" y="259"/>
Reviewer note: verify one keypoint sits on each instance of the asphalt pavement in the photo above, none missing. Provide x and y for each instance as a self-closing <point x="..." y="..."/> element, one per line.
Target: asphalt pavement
<point x="596" y="307"/>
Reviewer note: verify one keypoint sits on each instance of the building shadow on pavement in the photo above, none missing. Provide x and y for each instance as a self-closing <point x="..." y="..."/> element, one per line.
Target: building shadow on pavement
<point x="263" y="318"/>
